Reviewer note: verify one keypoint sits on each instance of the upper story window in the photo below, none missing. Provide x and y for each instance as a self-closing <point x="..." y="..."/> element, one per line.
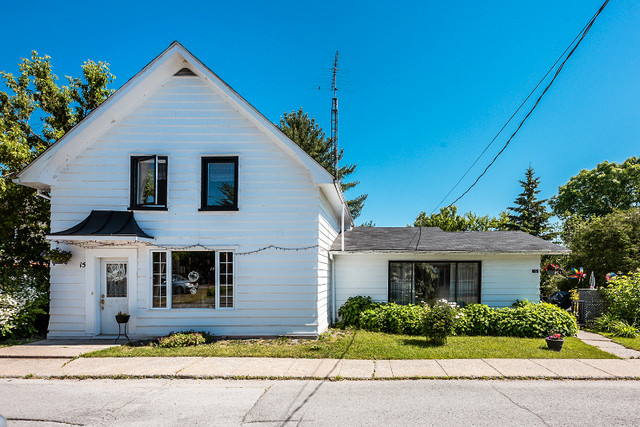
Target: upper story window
<point x="219" y="184"/>
<point x="148" y="182"/>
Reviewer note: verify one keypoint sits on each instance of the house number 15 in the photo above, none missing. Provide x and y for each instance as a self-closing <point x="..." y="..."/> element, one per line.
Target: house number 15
<point x="83" y="264"/>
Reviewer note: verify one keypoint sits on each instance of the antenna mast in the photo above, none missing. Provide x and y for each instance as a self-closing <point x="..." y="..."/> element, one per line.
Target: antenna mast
<point x="334" y="118"/>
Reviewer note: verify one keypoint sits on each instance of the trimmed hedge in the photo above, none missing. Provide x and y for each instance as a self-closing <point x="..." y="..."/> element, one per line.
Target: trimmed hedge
<point x="528" y="320"/>
<point x="350" y="311"/>
<point x="393" y="318"/>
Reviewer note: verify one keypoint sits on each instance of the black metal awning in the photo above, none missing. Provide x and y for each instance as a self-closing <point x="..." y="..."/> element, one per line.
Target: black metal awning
<point x="106" y="223"/>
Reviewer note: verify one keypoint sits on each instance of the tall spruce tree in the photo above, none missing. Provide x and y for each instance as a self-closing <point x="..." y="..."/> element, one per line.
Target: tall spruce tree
<point x="311" y="138"/>
<point x="530" y="214"/>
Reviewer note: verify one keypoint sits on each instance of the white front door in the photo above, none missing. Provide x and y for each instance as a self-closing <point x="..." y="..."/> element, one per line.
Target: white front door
<point x="113" y="293"/>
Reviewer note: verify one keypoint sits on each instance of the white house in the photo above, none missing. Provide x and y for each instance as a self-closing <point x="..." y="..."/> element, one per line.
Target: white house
<point x="186" y="208"/>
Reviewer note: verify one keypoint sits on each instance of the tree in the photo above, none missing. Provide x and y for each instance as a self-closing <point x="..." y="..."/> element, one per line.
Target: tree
<point x="599" y="191"/>
<point x="369" y="223"/>
<point x="311" y="138"/>
<point x="607" y="244"/>
<point x="530" y="214"/>
<point x="33" y="115"/>
<point x="448" y="219"/>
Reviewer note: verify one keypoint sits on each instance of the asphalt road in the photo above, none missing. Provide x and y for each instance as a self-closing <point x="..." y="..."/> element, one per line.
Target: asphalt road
<point x="158" y="402"/>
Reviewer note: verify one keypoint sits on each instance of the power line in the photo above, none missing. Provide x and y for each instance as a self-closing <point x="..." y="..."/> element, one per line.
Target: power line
<point x="581" y="35"/>
<point x="509" y="121"/>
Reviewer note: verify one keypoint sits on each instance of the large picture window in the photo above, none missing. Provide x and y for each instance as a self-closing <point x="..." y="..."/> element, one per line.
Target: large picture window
<point x="199" y="279"/>
<point x="411" y="282"/>
<point x="219" y="183"/>
<point x="148" y="182"/>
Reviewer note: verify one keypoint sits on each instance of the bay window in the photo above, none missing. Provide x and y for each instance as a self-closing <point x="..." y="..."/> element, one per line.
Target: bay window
<point x="198" y="279"/>
<point x="411" y="282"/>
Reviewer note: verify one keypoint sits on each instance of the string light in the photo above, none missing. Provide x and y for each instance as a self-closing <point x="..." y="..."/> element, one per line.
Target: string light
<point x="93" y="243"/>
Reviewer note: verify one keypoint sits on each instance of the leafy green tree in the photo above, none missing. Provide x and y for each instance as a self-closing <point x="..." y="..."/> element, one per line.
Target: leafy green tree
<point x="311" y="138"/>
<point x="599" y="191"/>
<point x="606" y="244"/>
<point x="35" y="112"/>
<point x="530" y="214"/>
<point x="448" y="219"/>
<point x="369" y="223"/>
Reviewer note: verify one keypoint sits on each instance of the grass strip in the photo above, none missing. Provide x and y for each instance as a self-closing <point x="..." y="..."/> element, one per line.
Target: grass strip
<point x="339" y="344"/>
<point x="633" y="343"/>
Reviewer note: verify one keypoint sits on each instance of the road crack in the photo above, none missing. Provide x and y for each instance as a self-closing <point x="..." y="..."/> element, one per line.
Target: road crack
<point x="520" y="406"/>
<point x="255" y="404"/>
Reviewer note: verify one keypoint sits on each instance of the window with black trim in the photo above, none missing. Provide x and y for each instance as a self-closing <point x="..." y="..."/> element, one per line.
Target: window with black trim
<point x="219" y="184"/>
<point x="148" y="182"/>
<point x="411" y="282"/>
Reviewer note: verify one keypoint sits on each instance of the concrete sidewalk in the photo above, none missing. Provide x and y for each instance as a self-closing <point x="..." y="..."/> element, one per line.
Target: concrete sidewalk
<point x="607" y="344"/>
<point x="47" y="349"/>
<point x="251" y="367"/>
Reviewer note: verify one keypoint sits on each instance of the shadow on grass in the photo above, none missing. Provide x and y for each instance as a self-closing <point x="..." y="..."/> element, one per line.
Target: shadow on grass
<point x="422" y="343"/>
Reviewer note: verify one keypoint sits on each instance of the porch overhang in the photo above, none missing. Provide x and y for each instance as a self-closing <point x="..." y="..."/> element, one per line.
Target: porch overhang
<point x="105" y="226"/>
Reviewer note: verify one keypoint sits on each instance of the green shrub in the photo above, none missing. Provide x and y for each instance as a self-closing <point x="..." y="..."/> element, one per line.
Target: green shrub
<point x="623" y="298"/>
<point x="393" y="318"/>
<point x="184" y="339"/>
<point x="438" y="322"/>
<point x="373" y="319"/>
<point x="528" y="320"/>
<point x="19" y="308"/>
<point x="351" y="309"/>
<point x="476" y="319"/>
<point x="610" y="324"/>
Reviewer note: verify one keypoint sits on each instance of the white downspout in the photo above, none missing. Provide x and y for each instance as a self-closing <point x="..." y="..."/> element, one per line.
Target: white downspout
<point x="334" y="314"/>
<point x="342" y="229"/>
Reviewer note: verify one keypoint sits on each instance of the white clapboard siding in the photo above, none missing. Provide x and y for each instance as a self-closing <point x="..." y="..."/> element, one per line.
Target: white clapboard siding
<point x="504" y="278"/>
<point x="276" y="292"/>
<point x="328" y="229"/>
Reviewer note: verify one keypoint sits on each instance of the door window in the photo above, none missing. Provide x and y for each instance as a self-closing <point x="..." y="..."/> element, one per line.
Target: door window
<point x="116" y="279"/>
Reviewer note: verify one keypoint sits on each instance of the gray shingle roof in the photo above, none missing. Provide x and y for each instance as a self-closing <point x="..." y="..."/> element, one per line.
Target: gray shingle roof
<point x="433" y="239"/>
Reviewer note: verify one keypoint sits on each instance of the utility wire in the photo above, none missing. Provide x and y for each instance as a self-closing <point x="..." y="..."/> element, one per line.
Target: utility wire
<point x="509" y="121"/>
<point x="581" y="35"/>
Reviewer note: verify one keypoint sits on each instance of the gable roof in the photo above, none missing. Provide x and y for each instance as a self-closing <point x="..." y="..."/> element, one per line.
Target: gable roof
<point x="41" y="172"/>
<point x="433" y="239"/>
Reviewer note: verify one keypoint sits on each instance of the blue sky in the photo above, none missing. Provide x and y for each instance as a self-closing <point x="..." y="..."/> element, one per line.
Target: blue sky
<point x="423" y="85"/>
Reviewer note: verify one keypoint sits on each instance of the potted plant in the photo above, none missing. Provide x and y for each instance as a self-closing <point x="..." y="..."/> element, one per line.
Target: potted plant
<point x="122" y="317"/>
<point x="554" y="341"/>
<point x="56" y="255"/>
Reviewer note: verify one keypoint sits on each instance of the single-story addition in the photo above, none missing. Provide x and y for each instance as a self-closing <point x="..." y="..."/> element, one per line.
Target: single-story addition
<point x="186" y="208"/>
<point x="407" y="265"/>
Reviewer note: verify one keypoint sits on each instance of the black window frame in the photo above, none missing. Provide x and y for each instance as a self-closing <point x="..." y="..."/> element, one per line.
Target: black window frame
<point x="413" y="262"/>
<point x="134" y="182"/>
<point x="205" y="180"/>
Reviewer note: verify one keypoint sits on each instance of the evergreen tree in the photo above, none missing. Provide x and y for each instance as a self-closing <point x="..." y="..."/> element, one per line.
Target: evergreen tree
<point x="530" y="214"/>
<point x="311" y="138"/>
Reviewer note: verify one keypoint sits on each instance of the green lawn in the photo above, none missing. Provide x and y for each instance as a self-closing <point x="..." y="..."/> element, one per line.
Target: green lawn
<point x="339" y="344"/>
<point x="633" y="343"/>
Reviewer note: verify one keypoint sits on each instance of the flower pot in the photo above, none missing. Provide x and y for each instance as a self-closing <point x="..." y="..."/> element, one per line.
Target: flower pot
<point x="554" y="345"/>
<point x="122" y="318"/>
